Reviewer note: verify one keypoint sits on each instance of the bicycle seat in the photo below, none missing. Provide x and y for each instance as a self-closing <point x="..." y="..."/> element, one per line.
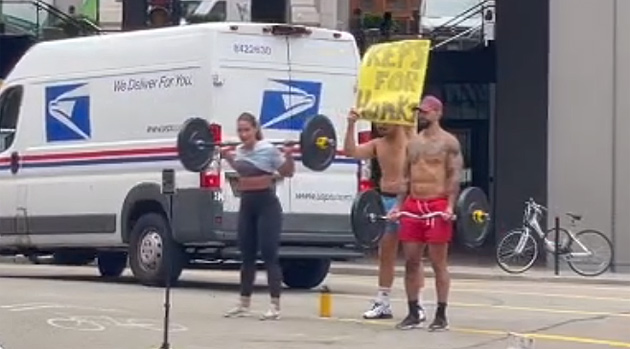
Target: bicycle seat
<point x="574" y="216"/>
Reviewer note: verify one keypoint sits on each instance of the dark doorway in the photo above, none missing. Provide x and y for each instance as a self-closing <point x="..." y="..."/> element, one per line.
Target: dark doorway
<point x="134" y="14"/>
<point x="12" y="47"/>
<point x="269" y="11"/>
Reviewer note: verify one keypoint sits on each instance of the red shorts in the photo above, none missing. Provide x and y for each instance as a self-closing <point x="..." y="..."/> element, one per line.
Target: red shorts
<point x="432" y="231"/>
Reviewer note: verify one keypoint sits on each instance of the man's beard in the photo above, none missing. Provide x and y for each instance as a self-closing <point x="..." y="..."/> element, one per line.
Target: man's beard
<point x="423" y="124"/>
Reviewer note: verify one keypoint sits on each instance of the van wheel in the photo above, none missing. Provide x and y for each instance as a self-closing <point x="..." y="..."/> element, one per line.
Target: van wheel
<point x="111" y="264"/>
<point x="146" y="251"/>
<point x="304" y="273"/>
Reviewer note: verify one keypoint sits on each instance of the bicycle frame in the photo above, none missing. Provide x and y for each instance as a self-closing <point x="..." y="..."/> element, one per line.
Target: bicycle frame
<point x="532" y="214"/>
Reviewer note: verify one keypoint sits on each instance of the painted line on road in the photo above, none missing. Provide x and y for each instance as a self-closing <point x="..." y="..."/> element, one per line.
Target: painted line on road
<point x="504" y="290"/>
<point x="539" y="294"/>
<point x="501" y="333"/>
<point x="508" y="307"/>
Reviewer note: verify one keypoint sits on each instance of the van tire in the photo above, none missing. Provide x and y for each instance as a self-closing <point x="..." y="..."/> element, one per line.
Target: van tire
<point x="304" y="273"/>
<point x="111" y="264"/>
<point x="148" y="266"/>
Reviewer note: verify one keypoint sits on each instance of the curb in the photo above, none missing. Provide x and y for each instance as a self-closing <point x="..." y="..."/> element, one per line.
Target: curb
<point x="366" y="270"/>
<point x="370" y="271"/>
<point x="14" y="260"/>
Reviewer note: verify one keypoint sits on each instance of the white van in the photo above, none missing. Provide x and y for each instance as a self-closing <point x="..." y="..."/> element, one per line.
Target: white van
<point x="88" y="124"/>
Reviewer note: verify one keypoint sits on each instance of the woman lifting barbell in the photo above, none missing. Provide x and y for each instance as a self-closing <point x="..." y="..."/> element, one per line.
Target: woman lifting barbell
<point x="260" y="215"/>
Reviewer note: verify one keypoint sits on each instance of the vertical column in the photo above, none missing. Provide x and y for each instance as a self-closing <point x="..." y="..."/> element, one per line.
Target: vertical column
<point x="621" y="126"/>
<point x="581" y="111"/>
<point x="520" y="129"/>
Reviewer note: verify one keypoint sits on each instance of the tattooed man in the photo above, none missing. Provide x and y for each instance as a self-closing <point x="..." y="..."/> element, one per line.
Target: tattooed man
<point x="433" y="171"/>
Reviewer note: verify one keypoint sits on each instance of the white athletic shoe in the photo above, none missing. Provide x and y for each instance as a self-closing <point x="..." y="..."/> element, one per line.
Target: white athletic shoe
<point x="271" y="314"/>
<point x="379" y="310"/>
<point x="238" y="311"/>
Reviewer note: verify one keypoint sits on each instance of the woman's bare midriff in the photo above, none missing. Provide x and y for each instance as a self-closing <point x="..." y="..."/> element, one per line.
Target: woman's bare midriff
<point x="255" y="183"/>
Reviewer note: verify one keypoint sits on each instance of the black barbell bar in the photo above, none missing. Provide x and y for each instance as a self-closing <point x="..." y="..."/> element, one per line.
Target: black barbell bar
<point x="204" y="144"/>
<point x="318" y="144"/>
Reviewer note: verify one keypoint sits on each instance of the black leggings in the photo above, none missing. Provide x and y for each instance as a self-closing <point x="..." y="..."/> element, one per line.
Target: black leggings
<point x="259" y="225"/>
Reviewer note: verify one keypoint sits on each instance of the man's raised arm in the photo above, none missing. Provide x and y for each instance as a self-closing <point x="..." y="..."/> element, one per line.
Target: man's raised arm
<point x="363" y="151"/>
<point x="454" y="170"/>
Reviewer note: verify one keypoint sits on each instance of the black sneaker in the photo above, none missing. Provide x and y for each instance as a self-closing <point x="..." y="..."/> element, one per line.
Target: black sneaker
<point x="411" y="322"/>
<point x="439" y="324"/>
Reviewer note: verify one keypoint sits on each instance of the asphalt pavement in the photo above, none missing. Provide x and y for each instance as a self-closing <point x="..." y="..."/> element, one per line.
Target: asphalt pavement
<point x="70" y="307"/>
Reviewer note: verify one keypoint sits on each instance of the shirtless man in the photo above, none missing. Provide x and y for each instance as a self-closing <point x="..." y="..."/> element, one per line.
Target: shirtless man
<point x="433" y="170"/>
<point x="389" y="150"/>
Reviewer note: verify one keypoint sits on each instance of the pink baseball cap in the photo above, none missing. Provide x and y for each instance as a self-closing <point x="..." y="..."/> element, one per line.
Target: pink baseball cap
<point x="430" y="103"/>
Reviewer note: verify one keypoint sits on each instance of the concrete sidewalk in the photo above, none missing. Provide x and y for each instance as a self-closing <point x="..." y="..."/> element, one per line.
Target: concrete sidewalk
<point x="461" y="268"/>
<point x="489" y="272"/>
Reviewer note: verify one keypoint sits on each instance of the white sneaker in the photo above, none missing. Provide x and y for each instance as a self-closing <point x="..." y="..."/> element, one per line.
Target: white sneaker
<point x="271" y="314"/>
<point x="238" y="311"/>
<point x="379" y="310"/>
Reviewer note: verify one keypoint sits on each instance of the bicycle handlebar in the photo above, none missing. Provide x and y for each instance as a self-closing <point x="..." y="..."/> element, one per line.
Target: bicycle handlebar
<point x="535" y="205"/>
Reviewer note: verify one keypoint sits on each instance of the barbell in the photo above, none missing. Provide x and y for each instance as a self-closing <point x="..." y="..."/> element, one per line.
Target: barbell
<point x="471" y="216"/>
<point x="318" y="143"/>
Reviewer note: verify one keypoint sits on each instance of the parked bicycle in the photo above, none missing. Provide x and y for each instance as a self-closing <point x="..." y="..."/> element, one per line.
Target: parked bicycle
<point x="588" y="252"/>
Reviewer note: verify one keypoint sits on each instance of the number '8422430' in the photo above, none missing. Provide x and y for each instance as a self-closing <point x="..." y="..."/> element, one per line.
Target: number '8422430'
<point x="251" y="49"/>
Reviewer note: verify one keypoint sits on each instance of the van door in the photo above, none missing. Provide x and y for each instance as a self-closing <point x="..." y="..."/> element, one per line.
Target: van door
<point x="11" y="189"/>
<point x="323" y="80"/>
<point x="251" y="75"/>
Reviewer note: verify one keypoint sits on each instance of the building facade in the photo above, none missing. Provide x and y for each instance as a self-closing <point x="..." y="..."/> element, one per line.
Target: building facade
<point x="589" y="115"/>
<point x="563" y="114"/>
<point x="400" y="9"/>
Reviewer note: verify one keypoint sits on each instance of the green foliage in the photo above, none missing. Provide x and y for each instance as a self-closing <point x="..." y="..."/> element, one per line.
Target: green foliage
<point x="373" y="21"/>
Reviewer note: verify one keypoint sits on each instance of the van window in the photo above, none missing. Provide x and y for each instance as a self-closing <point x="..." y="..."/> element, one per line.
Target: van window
<point x="447" y="8"/>
<point x="10" y="103"/>
<point x="219" y="11"/>
<point x="214" y="10"/>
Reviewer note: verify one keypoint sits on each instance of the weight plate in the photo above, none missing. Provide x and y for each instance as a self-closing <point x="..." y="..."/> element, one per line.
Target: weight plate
<point x="471" y="232"/>
<point x="314" y="157"/>
<point x="367" y="232"/>
<point x="195" y="144"/>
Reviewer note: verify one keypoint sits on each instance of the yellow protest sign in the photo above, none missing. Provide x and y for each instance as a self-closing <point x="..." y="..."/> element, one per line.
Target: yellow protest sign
<point x="391" y="80"/>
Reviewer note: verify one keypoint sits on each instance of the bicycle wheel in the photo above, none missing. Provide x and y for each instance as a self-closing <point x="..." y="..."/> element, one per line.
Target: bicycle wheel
<point x="591" y="253"/>
<point x="517" y="252"/>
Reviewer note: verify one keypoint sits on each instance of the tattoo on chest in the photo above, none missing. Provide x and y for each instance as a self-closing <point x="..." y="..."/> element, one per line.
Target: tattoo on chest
<point x="433" y="149"/>
<point x="426" y="149"/>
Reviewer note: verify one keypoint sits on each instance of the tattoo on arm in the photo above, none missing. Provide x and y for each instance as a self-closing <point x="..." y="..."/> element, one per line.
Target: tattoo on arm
<point x="455" y="168"/>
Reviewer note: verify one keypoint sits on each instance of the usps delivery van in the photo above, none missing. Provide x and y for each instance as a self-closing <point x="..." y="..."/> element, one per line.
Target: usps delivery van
<point x="88" y="124"/>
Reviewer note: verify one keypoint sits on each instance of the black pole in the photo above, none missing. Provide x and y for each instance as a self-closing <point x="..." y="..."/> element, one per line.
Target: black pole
<point x="556" y="250"/>
<point x="168" y="189"/>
